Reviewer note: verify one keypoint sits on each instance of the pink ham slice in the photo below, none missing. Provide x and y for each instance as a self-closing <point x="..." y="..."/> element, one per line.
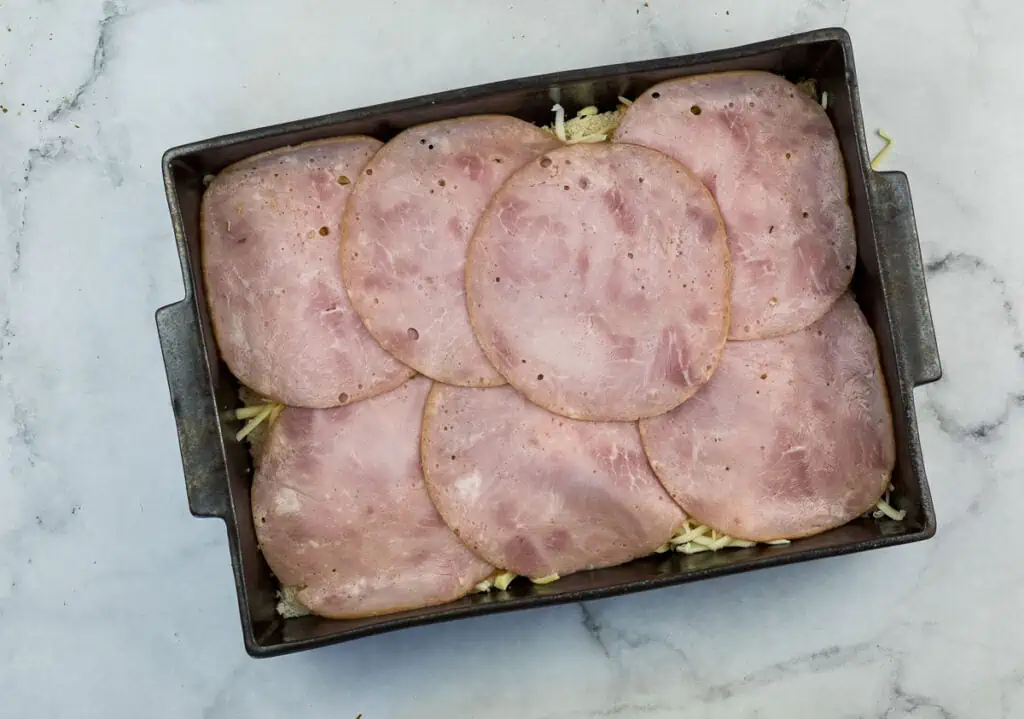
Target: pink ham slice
<point x="270" y="238"/>
<point x="598" y="282"/>
<point x="770" y="156"/>
<point x="406" y="231"/>
<point x="342" y="512"/>
<point x="792" y="436"/>
<point x="538" y="494"/>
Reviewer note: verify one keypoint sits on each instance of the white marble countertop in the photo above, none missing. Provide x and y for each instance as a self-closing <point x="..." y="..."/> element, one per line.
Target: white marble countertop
<point x="115" y="603"/>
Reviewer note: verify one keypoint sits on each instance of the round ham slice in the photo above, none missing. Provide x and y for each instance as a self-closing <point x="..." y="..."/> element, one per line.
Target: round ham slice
<point x="792" y="436"/>
<point x="342" y="513"/>
<point x="270" y="235"/>
<point x="406" y="231"/>
<point x="539" y="494"/>
<point x="770" y="156"/>
<point x="598" y="282"/>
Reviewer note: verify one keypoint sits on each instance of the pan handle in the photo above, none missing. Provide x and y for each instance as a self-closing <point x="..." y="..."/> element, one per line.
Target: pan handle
<point x="195" y="413"/>
<point x="899" y="256"/>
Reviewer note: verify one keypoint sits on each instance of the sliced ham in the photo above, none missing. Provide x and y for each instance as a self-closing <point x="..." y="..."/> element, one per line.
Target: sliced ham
<point x="770" y="156"/>
<point x="270" y="236"/>
<point x="792" y="436"/>
<point x="342" y="513"/>
<point x="406" y="231"/>
<point x="539" y="494"/>
<point x="598" y="282"/>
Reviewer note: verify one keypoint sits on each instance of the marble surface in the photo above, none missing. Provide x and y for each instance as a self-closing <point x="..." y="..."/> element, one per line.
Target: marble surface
<point x="114" y="602"/>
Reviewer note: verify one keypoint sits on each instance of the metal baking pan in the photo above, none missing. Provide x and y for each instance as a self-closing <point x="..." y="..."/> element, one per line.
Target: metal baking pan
<point x="889" y="285"/>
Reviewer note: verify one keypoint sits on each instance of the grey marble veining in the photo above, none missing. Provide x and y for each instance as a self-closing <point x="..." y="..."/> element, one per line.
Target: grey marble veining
<point x="115" y="603"/>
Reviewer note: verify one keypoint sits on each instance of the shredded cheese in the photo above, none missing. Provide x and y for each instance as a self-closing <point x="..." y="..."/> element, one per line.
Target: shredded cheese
<point x="288" y="604"/>
<point x="502" y="580"/>
<point x="884" y="151"/>
<point x="809" y="88"/>
<point x="498" y="580"/>
<point x="884" y="509"/>
<point x="589" y="126"/>
<point x="824" y="99"/>
<point x="546" y="580"/>
<point x="625" y="101"/>
<point x="255" y="422"/>
<point x="689" y="533"/>
<point x="256" y="410"/>
<point x="692" y="548"/>
<point x="250" y="411"/>
<point x="694" y="538"/>
<point x="559" y="121"/>
<point x="253" y="404"/>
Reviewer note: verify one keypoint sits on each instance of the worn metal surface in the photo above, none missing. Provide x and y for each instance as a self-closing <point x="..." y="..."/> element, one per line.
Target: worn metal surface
<point x="900" y="259"/>
<point x="889" y="285"/>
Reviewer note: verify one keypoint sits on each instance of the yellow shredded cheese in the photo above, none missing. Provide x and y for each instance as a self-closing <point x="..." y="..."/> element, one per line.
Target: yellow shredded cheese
<point x="884" y="151"/>
<point x="689" y="533"/>
<point x="546" y="580"/>
<point x="692" y="548"/>
<point x="884" y="509"/>
<point x="502" y="580"/>
<point x="265" y="411"/>
<point x="498" y="580"/>
<point x="589" y="126"/>
<point x="824" y="100"/>
<point x="592" y="128"/>
<point x="693" y="538"/>
<point x="250" y="411"/>
<point x="625" y="101"/>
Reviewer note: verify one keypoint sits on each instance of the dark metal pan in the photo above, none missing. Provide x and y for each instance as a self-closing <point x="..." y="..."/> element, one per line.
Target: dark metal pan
<point x="889" y="285"/>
